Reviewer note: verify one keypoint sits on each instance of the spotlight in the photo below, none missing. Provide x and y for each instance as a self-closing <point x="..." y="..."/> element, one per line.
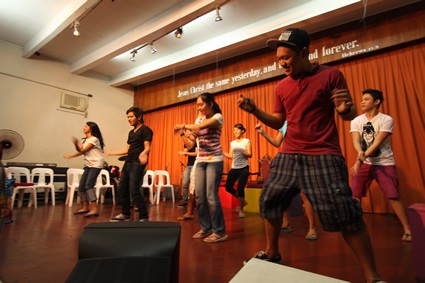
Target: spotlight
<point x="179" y="32"/>
<point x="75" y="25"/>
<point x="217" y="14"/>
<point x="133" y="55"/>
<point x="153" y="49"/>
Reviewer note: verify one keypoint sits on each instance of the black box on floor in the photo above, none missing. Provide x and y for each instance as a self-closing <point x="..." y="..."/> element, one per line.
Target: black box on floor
<point x="128" y="252"/>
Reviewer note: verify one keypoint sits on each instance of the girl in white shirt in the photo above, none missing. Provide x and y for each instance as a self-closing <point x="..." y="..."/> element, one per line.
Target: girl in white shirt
<point x="240" y="151"/>
<point x="92" y="148"/>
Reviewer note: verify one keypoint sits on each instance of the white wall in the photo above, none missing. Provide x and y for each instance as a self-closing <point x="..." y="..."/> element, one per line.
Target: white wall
<point x="30" y="108"/>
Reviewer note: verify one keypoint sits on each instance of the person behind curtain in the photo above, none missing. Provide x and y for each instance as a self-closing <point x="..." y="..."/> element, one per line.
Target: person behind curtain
<point x="209" y="168"/>
<point x="188" y="194"/>
<point x="92" y="148"/>
<point x="240" y="151"/>
<point x="310" y="159"/>
<point x="371" y="134"/>
<point x="309" y="211"/>
<point x="138" y="147"/>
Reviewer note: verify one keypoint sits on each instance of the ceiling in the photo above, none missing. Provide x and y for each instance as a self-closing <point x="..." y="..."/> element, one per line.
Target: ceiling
<point x="111" y="29"/>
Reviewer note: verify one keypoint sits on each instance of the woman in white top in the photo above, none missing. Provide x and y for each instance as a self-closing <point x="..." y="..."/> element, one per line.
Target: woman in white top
<point x="240" y="151"/>
<point x="92" y="148"/>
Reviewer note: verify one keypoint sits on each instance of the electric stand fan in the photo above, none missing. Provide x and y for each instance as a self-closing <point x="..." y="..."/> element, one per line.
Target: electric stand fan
<point x="11" y="145"/>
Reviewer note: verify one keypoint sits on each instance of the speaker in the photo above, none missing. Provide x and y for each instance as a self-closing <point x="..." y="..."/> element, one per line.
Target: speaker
<point x="128" y="252"/>
<point x="256" y="270"/>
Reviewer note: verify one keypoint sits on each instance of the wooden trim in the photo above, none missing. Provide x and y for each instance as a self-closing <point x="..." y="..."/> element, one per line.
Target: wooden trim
<point x="345" y="42"/>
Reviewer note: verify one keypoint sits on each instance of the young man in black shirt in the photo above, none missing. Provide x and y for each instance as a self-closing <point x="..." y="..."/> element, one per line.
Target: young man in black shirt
<point x="137" y="151"/>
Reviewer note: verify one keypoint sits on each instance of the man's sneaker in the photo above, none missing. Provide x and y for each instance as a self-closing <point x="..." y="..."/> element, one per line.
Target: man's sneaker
<point x="120" y="217"/>
<point x="263" y="256"/>
<point x="143" y="220"/>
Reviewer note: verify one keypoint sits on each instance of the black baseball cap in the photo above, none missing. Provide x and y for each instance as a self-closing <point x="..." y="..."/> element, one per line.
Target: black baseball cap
<point x="291" y="37"/>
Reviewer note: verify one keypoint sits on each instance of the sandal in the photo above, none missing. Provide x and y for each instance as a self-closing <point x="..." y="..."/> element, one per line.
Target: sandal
<point x="214" y="238"/>
<point x="185" y="217"/>
<point x="312" y="237"/>
<point x="81" y="211"/>
<point x="201" y="234"/>
<point x="407" y="237"/>
<point x="88" y="215"/>
<point x="286" y="229"/>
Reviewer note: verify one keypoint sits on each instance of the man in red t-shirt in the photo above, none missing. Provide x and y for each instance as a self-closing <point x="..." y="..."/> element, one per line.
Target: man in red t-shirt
<point x="310" y="159"/>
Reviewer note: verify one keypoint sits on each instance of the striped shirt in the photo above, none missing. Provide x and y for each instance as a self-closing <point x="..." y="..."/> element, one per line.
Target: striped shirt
<point x="208" y="141"/>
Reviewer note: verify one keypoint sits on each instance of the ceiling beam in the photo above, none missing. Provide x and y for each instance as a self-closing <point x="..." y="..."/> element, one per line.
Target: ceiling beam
<point x="146" y="33"/>
<point x="73" y="11"/>
<point x="254" y="34"/>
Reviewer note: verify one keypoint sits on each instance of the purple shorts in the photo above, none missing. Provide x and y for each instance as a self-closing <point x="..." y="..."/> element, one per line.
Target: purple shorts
<point x="385" y="176"/>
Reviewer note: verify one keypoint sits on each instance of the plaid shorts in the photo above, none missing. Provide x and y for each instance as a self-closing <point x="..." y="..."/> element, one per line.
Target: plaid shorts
<point x="323" y="179"/>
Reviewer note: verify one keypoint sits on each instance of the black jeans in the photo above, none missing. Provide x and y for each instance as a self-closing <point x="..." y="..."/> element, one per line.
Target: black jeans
<point x="130" y="181"/>
<point x="240" y="175"/>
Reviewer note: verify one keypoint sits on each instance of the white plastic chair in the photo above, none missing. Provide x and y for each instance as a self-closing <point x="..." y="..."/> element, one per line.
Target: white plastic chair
<point x="21" y="185"/>
<point x="102" y="184"/>
<point x="148" y="182"/>
<point x="73" y="177"/>
<point x="162" y="181"/>
<point x="42" y="174"/>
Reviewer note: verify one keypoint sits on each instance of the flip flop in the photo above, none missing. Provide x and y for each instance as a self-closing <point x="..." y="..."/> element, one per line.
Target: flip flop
<point x="312" y="237"/>
<point x="214" y="238"/>
<point x="81" y="212"/>
<point x="88" y="215"/>
<point x="201" y="234"/>
<point x="184" y="217"/>
<point x="286" y="229"/>
<point x="407" y="237"/>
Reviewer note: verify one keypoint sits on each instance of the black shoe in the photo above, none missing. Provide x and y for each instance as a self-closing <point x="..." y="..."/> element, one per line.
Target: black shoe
<point x="263" y="256"/>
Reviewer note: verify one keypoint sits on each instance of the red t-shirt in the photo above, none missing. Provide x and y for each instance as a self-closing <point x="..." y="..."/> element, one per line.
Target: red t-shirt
<point x="307" y="106"/>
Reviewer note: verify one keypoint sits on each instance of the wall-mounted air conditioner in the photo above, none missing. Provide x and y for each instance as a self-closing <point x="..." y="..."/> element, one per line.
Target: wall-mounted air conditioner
<point x="74" y="102"/>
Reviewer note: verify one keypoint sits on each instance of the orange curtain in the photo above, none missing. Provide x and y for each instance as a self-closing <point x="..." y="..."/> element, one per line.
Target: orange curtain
<point x="398" y="73"/>
<point x="165" y="144"/>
